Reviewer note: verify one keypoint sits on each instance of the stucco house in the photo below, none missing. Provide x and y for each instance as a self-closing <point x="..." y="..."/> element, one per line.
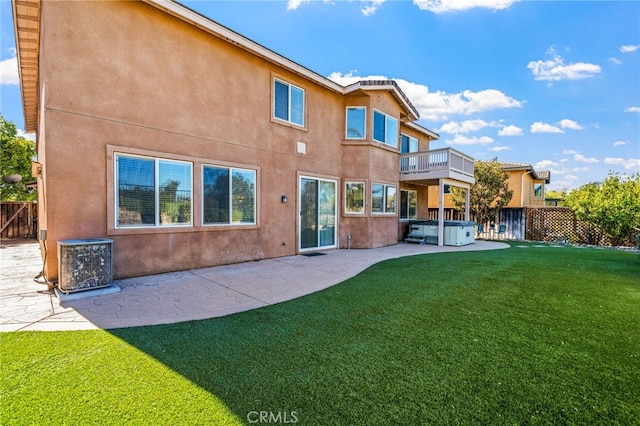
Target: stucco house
<point x="528" y="184"/>
<point x="190" y="145"/>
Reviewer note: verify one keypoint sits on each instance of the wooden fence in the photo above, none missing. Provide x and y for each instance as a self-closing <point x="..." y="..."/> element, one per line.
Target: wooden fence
<point x="560" y="224"/>
<point x="18" y="220"/>
<point x="551" y="224"/>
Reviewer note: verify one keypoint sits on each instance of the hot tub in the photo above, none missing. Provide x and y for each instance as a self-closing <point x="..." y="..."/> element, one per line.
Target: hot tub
<point x="456" y="232"/>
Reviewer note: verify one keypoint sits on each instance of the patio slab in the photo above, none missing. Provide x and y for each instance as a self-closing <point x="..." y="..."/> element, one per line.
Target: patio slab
<point x="182" y="296"/>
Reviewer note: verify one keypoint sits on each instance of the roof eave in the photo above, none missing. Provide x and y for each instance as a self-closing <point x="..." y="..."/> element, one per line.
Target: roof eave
<point x="194" y="18"/>
<point x="390" y="86"/>
<point x="431" y="134"/>
<point x="26" y="24"/>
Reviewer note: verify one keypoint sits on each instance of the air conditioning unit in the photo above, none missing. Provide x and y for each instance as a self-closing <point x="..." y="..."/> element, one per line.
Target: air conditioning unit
<point x="84" y="264"/>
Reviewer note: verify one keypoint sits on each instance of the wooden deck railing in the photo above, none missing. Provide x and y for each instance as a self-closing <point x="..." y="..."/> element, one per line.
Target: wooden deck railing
<point x="438" y="161"/>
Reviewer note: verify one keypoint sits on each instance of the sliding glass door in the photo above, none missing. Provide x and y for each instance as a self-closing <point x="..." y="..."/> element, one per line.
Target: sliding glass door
<point x="317" y="213"/>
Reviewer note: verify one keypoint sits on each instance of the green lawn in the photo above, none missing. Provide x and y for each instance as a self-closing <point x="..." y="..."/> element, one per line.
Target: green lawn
<point x="527" y="335"/>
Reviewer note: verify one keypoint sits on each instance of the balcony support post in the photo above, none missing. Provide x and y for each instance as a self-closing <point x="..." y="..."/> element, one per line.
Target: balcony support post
<point x="441" y="212"/>
<point x="467" y="195"/>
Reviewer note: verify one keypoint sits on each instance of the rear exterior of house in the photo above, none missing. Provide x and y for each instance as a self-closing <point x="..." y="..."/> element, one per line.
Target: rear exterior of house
<point x="189" y="145"/>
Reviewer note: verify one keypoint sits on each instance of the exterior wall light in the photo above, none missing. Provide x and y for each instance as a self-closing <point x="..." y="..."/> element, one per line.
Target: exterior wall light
<point x="284" y="199"/>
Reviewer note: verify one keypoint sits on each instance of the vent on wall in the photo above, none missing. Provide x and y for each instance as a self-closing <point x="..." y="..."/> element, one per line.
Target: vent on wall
<point x="84" y="264"/>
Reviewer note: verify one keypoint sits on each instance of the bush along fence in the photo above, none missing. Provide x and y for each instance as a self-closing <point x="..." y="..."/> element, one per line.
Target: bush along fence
<point x="559" y="224"/>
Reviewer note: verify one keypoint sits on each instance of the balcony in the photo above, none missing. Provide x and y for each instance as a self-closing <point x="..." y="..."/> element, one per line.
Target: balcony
<point x="430" y="166"/>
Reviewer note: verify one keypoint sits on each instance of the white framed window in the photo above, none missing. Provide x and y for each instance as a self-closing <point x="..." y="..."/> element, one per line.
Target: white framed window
<point x="152" y="192"/>
<point x="538" y="190"/>
<point x="288" y="102"/>
<point x="408" y="144"/>
<point x="383" y="198"/>
<point x="408" y="204"/>
<point x="356" y="123"/>
<point x="354" y="197"/>
<point x="228" y="196"/>
<point x="385" y="129"/>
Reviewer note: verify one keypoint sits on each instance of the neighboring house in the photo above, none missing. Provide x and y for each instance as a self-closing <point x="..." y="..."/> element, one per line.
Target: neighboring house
<point x="527" y="184"/>
<point x="190" y="145"/>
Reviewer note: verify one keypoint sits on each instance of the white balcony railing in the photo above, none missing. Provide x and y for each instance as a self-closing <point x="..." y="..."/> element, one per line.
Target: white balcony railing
<point x="439" y="163"/>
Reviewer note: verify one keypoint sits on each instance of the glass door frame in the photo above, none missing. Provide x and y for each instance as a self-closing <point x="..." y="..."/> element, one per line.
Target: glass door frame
<point x="335" y="213"/>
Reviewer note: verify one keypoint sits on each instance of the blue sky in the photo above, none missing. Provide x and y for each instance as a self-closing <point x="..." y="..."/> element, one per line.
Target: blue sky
<point x="553" y="84"/>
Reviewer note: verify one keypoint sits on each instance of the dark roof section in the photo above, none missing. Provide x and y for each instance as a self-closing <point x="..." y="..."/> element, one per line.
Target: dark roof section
<point x="541" y="175"/>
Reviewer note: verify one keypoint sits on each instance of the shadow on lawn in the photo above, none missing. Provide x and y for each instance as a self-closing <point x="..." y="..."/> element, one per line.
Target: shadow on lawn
<point x="391" y="347"/>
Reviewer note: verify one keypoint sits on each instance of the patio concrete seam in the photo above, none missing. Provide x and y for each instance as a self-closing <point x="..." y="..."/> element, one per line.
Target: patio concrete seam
<point x="228" y="288"/>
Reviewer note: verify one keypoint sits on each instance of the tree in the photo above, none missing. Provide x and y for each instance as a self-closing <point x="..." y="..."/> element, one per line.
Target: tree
<point x="613" y="205"/>
<point x="488" y="194"/>
<point x="16" y="155"/>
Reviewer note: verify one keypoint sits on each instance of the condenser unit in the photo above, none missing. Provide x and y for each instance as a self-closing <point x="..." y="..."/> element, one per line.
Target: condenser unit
<point x="84" y="264"/>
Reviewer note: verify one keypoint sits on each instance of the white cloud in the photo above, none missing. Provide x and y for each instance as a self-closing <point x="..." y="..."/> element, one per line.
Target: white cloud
<point x="9" y="71"/>
<point x="554" y="68"/>
<point x="499" y="148"/>
<point x="569" y="151"/>
<point x="510" y="130"/>
<point x="627" y="163"/>
<point x="632" y="109"/>
<point x="628" y="48"/>
<point x="371" y="7"/>
<point x="464" y="126"/>
<point x="620" y="143"/>
<point x="563" y="177"/>
<point x="565" y="183"/>
<point x="294" y="4"/>
<point x="579" y="169"/>
<point x="545" y="165"/>
<point x="441" y="6"/>
<point x="440" y="105"/>
<point x="29" y="136"/>
<point x="570" y="124"/>
<point x="463" y="140"/>
<point x="582" y="159"/>
<point x="540" y="127"/>
<point x="615" y="61"/>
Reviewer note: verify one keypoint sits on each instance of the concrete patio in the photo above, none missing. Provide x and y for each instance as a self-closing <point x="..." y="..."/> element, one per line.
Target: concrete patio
<point x="181" y="296"/>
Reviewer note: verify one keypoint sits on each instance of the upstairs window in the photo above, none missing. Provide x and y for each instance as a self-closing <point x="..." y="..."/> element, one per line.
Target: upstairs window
<point x="538" y="190"/>
<point x="288" y="102"/>
<point x="408" y="144"/>
<point x="356" y="119"/>
<point x="152" y="192"/>
<point x="385" y="129"/>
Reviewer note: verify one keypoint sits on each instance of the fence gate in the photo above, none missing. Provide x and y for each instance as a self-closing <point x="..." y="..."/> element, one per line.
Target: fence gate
<point x="18" y="220"/>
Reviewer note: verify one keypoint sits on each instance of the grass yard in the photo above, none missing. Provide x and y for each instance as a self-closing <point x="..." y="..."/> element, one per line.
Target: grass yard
<point x="527" y="335"/>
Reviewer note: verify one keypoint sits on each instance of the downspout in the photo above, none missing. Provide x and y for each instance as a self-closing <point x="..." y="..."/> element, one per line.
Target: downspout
<point x="522" y="188"/>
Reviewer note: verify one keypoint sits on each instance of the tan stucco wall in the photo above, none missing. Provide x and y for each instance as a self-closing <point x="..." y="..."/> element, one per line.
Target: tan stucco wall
<point x="522" y="184"/>
<point x="159" y="87"/>
<point x="522" y="187"/>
